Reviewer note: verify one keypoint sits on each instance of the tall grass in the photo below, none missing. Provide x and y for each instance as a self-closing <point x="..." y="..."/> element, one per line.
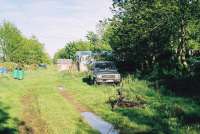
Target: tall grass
<point x="44" y="103"/>
<point x="163" y="113"/>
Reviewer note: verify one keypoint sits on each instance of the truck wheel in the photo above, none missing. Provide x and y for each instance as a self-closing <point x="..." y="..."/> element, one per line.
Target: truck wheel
<point x="90" y="80"/>
<point x="95" y="82"/>
<point x="117" y="83"/>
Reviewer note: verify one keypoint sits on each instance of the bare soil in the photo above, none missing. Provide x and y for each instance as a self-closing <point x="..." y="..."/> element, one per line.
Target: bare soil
<point x="32" y="121"/>
<point x="70" y="98"/>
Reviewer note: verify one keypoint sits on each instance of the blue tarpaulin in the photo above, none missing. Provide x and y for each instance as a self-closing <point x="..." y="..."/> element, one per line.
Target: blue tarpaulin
<point x="3" y="70"/>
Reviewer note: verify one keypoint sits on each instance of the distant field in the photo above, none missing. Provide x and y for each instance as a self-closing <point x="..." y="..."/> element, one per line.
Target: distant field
<point x="36" y="105"/>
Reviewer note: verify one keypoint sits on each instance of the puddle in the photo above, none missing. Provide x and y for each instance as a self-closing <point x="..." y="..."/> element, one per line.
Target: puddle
<point x="61" y="88"/>
<point x="99" y="124"/>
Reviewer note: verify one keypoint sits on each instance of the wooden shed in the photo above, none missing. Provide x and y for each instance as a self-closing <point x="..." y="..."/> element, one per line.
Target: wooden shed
<point x="64" y="64"/>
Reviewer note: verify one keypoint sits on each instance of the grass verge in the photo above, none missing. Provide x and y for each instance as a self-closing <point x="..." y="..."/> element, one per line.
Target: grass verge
<point x="163" y="114"/>
<point x="36" y="105"/>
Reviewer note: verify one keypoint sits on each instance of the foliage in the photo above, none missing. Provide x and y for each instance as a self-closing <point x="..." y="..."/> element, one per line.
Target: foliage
<point x="72" y="47"/>
<point x="31" y="67"/>
<point x="69" y="52"/>
<point x="148" y="33"/>
<point x="10" y="39"/>
<point x="30" y="52"/>
<point x="60" y="54"/>
<point x="92" y="38"/>
<point x="96" y="42"/>
<point x="10" y="66"/>
<point x="17" y="48"/>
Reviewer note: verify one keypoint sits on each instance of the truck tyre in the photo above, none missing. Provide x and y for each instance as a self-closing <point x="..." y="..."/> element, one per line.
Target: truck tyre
<point x="117" y="83"/>
<point x="90" y="80"/>
<point x="94" y="82"/>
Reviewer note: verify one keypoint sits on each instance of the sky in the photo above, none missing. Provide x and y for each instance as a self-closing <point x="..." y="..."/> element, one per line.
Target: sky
<point x="55" y="22"/>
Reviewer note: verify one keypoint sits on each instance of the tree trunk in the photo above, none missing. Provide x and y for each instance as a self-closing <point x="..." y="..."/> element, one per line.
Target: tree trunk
<point x="182" y="48"/>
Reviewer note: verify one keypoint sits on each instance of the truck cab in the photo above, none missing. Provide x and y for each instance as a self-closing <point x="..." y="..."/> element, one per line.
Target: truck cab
<point x="105" y="72"/>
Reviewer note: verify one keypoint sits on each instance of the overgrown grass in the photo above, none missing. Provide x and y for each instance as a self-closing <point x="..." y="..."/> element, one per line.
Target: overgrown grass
<point x="162" y="113"/>
<point x="37" y="97"/>
<point x="42" y="102"/>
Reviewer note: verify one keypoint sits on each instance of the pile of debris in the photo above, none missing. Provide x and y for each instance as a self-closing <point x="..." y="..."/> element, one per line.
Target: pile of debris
<point x="119" y="100"/>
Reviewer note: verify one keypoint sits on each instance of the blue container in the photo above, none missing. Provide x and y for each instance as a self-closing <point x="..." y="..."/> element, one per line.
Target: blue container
<point x="3" y="70"/>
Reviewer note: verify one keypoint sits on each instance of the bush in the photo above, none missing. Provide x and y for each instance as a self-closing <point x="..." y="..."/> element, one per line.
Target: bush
<point x="195" y="66"/>
<point x="9" y="65"/>
<point x="30" y="67"/>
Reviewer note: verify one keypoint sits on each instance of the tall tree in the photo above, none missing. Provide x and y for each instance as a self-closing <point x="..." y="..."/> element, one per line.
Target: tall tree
<point x="10" y="38"/>
<point x="146" y="33"/>
<point x="31" y="51"/>
<point x="93" y="38"/>
<point x="15" y="47"/>
<point x="189" y="11"/>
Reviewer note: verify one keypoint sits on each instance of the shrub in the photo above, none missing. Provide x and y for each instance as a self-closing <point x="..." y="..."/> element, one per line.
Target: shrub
<point x="9" y="65"/>
<point x="30" y="67"/>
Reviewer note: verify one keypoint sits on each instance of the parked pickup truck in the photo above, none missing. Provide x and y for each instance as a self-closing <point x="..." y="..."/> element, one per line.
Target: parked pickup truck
<point x="104" y="72"/>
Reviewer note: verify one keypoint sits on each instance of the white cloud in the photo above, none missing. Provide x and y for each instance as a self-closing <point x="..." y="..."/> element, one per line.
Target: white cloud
<point x="55" y="22"/>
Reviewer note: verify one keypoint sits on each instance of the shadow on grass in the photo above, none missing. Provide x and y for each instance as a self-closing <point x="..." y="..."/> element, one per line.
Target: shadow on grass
<point x="162" y="121"/>
<point x="87" y="80"/>
<point x="188" y="87"/>
<point x="5" y="119"/>
<point x="155" y="123"/>
<point x="191" y="118"/>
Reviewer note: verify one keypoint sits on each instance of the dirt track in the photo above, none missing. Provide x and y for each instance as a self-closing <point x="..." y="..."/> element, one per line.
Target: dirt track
<point x="70" y="98"/>
<point x="32" y="121"/>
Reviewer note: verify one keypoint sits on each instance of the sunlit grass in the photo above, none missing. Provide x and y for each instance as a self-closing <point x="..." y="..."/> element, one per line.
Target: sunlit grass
<point x="163" y="113"/>
<point x="60" y="115"/>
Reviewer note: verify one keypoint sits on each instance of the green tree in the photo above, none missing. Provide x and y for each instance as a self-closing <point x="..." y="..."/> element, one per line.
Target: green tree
<point x="31" y="51"/>
<point x="189" y="13"/>
<point x="60" y="54"/>
<point x="72" y="47"/>
<point x="103" y="29"/>
<point x="155" y="32"/>
<point x="16" y="48"/>
<point x="10" y="39"/>
<point x="69" y="52"/>
<point x="92" y="38"/>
